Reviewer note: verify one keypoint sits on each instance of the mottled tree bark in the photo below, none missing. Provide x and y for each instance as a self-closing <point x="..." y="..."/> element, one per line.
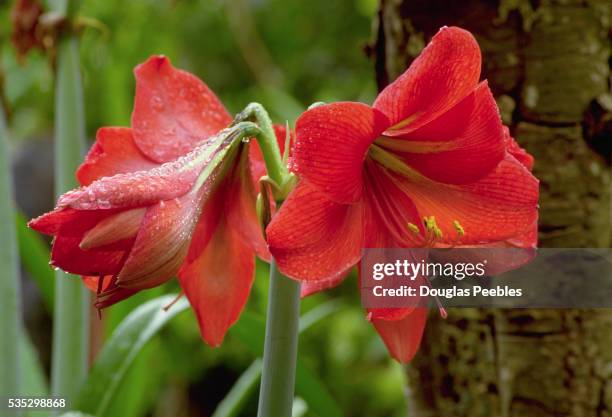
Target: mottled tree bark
<point x="548" y="63"/>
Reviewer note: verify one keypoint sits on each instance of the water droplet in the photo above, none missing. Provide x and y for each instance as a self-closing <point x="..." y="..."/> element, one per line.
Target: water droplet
<point x="157" y="103"/>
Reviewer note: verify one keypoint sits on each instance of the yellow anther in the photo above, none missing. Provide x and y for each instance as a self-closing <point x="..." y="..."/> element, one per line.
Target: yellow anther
<point x="438" y="233"/>
<point x="460" y="230"/>
<point x="413" y="228"/>
<point x="432" y="226"/>
<point x="429" y="222"/>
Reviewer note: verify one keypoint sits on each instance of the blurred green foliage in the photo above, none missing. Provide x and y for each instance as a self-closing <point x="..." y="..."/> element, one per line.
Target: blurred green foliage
<point x="284" y="54"/>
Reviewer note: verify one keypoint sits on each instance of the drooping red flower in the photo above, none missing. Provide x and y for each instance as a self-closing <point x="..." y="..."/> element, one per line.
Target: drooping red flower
<point x="429" y="164"/>
<point x="172" y="194"/>
<point x="25" y="16"/>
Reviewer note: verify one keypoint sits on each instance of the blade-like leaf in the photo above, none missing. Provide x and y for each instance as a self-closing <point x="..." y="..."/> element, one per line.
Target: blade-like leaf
<point x="120" y="351"/>
<point x="315" y="393"/>
<point x="317" y="314"/>
<point x="11" y="325"/>
<point x="71" y="312"/>
<point x="35" y="259"/>
<point x="250" y="330"/>
<point x="244" y="386"/>
<point x="34" y="382"/>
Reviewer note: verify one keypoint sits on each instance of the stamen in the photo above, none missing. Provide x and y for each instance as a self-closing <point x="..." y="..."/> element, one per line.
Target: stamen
<point x="460" y="230"/>
<point x="413" y="228"/>
<point x="98" y="292"/>
<point x="100" y="284"/>
<point x="433" y="232"/>
<point x="171" y="303"/>
<point x="432" y="226"/>
<point x="441" y="309"/>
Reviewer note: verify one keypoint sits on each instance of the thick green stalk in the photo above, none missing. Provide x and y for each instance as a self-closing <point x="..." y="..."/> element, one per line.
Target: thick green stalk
<point x="280" y="348"/>
<point x="10" y="285"/>
<point x="282" y="322"/>
<point x="71" y="310"/>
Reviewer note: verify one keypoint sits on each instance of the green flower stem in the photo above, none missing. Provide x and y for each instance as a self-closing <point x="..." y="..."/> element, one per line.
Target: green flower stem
<point x="71" y="310"/>
<point x="280" y="347"/>
<point x="10" y="285"/>
<point x="282" y="323"/>
<point x="277" y="171"/>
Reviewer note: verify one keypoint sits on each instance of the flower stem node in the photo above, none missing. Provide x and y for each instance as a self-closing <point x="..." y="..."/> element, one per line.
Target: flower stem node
<point x="257" y="124"/>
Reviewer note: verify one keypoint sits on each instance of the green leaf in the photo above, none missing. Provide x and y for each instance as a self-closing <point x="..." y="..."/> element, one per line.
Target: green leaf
<point x="315" y="393"/>
<point x="137" y="393"/>
<point x="33" y="376"/>
<point x="119" y="352"/>
<point x="317" y="314"/>
<point x="71" y="312"/>
<point x="238" y="395"/>
<point x="35" y="259"/>
<point x="34" y="379"/>
<point x="75" y="414"/>
<point x="250" y="330"/>
<point x="11" y="326"/>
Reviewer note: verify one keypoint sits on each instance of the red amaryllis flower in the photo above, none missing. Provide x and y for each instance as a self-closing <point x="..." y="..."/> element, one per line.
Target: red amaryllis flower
<point x="172" y="194"/>
<point x="429" y="164"/>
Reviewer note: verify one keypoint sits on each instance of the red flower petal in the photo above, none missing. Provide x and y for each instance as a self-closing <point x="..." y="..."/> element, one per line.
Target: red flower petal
<point x="218" y="272"/>
<point x="69" y="226"/>
<point x="526" y="239"/>
<point x="233" y="201"/>
<point x="219" y="269"/>
<point x="241" y="211"/>
<point x="123" y="225"/>
<point x="162" y="242"/>
<point x="70" y="220"/>
<point x="388" y="212"/>
<point x="402" y="337"/>
<point x="312" y="238"/>
<point x="460" y="146"/>
<point x="217" y="282"/>
<point x="142" y="188"/>
<point x="210" y="217"/>
<point x="92" y="283"/>
<point x="516" y="151"/>
<point x="173" y="110"/>
<point x="331" y="144"/>
<point x="114" y="152"/>
<point x="107" y="260"/>
<point x="312" y="287"/>
<point x="445" y="72"/>
<point x="492" y="209"/>
<point x="110" y="294"/>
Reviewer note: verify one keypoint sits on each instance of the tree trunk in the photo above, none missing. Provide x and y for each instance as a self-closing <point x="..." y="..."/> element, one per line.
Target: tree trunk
<point x="548" y="63"/>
